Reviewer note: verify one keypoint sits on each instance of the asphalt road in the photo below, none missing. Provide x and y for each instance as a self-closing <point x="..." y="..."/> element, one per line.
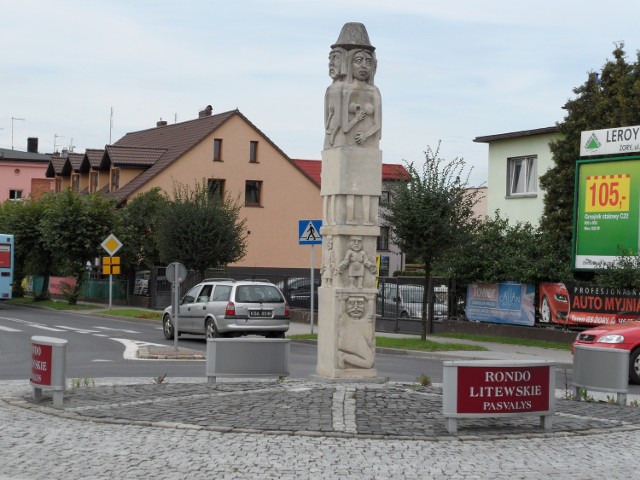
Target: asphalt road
<point x="103" y="346"/>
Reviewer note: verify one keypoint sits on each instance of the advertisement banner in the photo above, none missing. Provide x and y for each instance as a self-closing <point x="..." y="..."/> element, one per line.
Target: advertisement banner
<point x="511" y="303"/>
<point x="594" y="305"/>
<point x="607" y="211"/>
<point x="5" y="255"/>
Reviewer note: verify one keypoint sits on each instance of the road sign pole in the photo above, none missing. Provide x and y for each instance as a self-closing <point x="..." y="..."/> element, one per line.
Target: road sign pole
<point x="312" y="289"/>
<point x="309" y="234"/>
<point x="110" y="290"/>
<point x="176" y="287"/>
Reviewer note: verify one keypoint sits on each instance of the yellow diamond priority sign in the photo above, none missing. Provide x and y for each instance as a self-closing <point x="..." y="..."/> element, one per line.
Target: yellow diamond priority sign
<point x="111" y="244"/>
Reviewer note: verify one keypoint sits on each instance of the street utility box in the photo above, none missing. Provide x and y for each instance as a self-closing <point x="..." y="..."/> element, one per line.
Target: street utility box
<point x="48" y="367"/>
<point x="247" y="357"/>
<point x="601" y="369"/>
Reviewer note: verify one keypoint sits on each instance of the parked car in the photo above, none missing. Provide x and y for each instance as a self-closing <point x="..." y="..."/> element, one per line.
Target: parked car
<point x="624" y="336"/>
<point x="297" y="291"/>
<point x="554" y="303"/>
<point x="405" y="300"/>
<point x="225" y="307"/>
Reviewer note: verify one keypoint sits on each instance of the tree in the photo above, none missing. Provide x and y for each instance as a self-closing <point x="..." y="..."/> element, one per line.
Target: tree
<point x="137" y="229"/>
<point x="31" y="255"/>
<point x="500" y="251"/>
<point x="625" y="273"/>
<point x="607" y="99"/>
<point x="430" y="214"/>
<point x="200" y="229"/>
<point x="73" y="226"/>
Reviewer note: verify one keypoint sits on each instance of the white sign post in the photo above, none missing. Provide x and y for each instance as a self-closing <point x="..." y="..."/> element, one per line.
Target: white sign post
<point x="176" y="274"/>
<point x="309" y="234"/>
<point x="111" y="244"/>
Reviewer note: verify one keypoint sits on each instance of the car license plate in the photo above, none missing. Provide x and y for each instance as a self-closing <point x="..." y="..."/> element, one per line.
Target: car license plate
<point x="260" y="313"/>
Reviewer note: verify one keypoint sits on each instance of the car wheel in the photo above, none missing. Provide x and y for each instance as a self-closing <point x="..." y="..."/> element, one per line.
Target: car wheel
<point x="167" y="327"/>
<point x="545" y="310"/>
<point x="211" y="329"/>
<point x="634" y="366"/>
<point x="404" y="314"/>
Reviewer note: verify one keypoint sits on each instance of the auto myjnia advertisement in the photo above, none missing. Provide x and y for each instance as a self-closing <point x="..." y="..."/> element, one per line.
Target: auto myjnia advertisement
<point x="511" y="303"/>
<point x="584" y="304"/>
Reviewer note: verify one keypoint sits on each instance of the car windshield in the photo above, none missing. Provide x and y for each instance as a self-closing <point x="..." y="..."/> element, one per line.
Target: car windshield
<point x="258" y="294"/>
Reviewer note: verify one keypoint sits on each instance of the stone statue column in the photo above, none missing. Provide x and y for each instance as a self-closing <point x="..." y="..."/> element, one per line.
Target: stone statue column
<point x="351" y="188"/>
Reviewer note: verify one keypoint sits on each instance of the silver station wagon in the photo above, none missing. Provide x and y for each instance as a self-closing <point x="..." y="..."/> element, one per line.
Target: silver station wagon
<point x="225" y="307"/>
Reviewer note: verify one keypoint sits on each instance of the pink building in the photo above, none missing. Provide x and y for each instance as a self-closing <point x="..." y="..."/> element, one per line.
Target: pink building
<point x="23" y="174"/>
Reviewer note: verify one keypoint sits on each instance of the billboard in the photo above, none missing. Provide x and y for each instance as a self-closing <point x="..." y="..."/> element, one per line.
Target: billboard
<point x="610" y="141"/>
<point x="607" y="211"/>
<point x="510" y="303"/>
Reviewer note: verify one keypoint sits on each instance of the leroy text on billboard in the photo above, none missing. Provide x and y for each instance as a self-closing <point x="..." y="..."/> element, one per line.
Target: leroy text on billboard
<point x="622" y="134"/>
<point x="610" y="141"/>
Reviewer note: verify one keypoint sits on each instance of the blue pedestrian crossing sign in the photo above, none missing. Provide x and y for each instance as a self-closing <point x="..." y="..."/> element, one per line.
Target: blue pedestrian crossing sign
<point x="309" y="232"/>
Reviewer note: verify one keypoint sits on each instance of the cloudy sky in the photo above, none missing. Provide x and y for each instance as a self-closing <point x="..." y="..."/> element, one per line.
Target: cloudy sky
<point x="448" y="70"/>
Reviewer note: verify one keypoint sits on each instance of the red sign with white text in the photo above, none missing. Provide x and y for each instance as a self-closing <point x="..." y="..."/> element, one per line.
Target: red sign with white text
<point x="5" y="255"/>
<point x="41" y="356"/>
<point x="495" y="390"/>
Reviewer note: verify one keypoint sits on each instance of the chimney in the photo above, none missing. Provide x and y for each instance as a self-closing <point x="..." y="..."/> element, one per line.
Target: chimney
<point x="32" y="145"/>
<point x="65" y="153"/>
<point x="161" y="123"/>
<point x="208" y="110"/>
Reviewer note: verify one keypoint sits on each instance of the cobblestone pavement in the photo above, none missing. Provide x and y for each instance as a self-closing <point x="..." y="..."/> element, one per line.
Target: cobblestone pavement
<point x="133" y="428"/>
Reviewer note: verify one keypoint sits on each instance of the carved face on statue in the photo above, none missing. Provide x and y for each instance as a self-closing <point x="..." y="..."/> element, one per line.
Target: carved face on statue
<point x="355" y="307"/>
<point x="362" y="64"/>
<point x="356" y="243"/>
<point x="335" y="63"/>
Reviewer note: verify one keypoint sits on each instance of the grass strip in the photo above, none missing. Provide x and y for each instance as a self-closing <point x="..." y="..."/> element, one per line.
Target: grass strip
<point x="134" y="313"/>
<point x="526" y="342"/>
<point x="409" y="344"/>
<point x="52" y="304"/>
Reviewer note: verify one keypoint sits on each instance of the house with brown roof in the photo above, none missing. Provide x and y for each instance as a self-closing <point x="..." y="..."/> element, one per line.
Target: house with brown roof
<point x="234" y="157"/>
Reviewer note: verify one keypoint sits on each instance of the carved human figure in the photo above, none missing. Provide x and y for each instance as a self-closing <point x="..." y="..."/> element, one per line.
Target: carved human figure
<point x="333" y="97"/>
<point x="356" y="260"/>
<point x="355" y="341"/>
<point x="361" y="101"/>
<point x="328" y="264"/>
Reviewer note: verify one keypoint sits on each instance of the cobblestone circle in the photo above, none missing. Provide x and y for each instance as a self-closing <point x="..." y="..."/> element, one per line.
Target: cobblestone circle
<point x="298" y="429"/>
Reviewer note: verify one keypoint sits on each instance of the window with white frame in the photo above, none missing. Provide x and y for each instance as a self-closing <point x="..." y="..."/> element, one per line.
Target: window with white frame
<point x="522" y="177"/>
<point x="15" y="194"/>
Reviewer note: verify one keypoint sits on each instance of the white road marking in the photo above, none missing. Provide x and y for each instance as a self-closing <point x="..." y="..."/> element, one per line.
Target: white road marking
<point x="77" y="330"/>
<point x="9" y="329"/>
<point x="31" y="324"/>
<point x="42" y="327"/>
<point x="117" y="330"/>
<point x="131" y="347"/>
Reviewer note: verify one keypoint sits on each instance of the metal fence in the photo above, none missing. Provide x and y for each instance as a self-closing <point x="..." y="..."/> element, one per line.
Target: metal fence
<point x="401" y="300"/>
